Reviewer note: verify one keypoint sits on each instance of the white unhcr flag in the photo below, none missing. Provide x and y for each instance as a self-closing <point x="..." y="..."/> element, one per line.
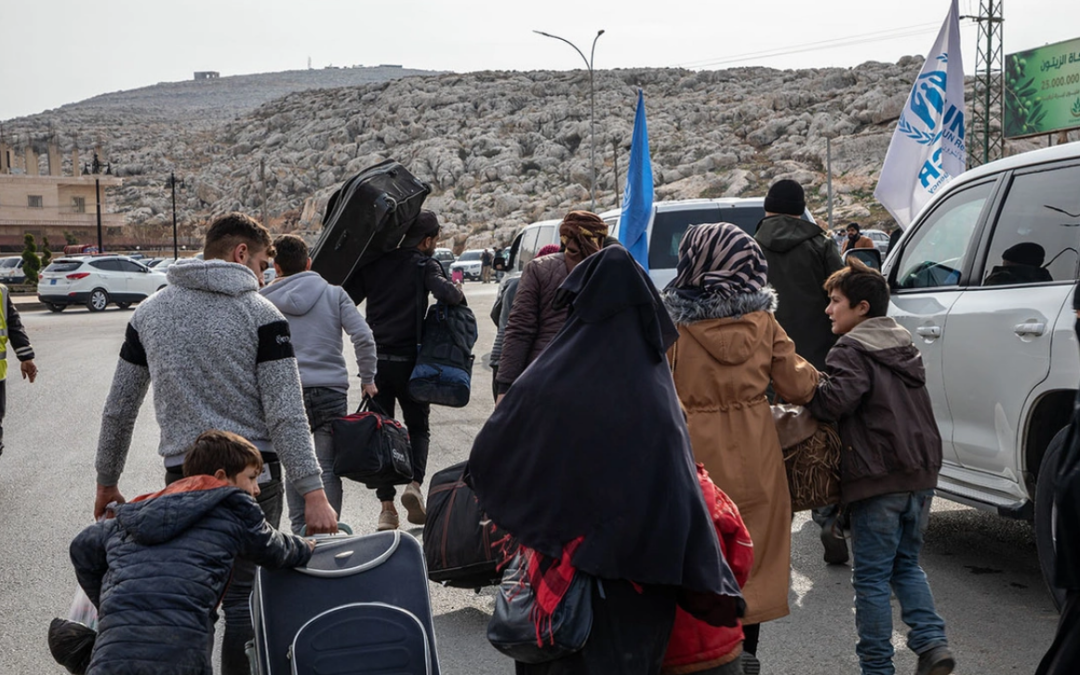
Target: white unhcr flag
<point x="927" y="147"/>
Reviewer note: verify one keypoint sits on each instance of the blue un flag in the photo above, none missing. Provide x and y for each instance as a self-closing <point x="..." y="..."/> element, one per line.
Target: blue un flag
<point x="637" y="205"/>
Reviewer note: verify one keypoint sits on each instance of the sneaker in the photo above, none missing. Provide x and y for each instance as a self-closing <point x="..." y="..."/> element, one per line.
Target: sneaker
<point x="413" y="501"/>
<point x="388" y="519"/>
<point x="836" y="552"/>
<point x="936" y="661"/>
<point x="750" y="664"/>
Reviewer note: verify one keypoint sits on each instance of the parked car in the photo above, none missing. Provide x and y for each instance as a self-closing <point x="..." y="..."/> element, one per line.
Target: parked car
<point x="527" y="244"/>
<point x="469" y="264"/>
<point x="11" y="271"/>
<point x="671" y="220"/>
<point x="160" y="263"/>
<point x="880" y="239"/>
<point x="446" y="258"/>
<point x="997" y="339"/>
<point x="97" y="282"/>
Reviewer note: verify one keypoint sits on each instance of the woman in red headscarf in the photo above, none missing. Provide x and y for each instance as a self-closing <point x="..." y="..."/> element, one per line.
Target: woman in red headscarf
<point x="533" y="320"/>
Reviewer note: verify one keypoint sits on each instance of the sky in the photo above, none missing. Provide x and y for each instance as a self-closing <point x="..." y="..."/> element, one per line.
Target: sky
<point x="62" y="51"/>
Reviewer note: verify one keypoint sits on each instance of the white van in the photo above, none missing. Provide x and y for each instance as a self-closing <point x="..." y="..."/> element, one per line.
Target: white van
<point x="1001" y="355"/>
<point x="671" y="220"/>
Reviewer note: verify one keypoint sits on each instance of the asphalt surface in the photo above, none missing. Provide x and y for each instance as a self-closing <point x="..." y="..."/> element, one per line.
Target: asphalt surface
<point x="983" y="569"/>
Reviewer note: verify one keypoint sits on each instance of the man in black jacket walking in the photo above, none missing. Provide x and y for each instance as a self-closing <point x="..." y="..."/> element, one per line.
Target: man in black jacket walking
<point x="801" y="257"/>
<point x="396" y="287"/>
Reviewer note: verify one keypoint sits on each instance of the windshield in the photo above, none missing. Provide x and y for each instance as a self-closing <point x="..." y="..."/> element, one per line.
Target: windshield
<point x="64" y="266"/>
<point x="469" y="255"/>
<point x="9" y="262"/>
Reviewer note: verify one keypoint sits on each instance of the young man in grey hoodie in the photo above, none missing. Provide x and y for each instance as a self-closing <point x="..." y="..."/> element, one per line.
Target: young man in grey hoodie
<point x="317" y="313"/>
<point x="220" y="357"/>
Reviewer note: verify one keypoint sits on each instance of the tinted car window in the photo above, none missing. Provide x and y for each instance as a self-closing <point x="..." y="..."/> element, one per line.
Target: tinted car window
<point x="64" y="266"/>
<point x="1037" y="235"/>
<point x="528" y="248"/>
<point x="468" y="256"/>
<point x="934" y="255"/>
<point x="746" y="217"/>
<point x="128" y="266"/>
<point x="668" y="230"/>
<point x="109" y="265"/>
<point x="10" y="262"/>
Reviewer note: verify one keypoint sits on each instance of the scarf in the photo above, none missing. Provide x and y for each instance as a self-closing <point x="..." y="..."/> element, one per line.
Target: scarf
<point x="582" y="233"/>
<point x="719" y="259"/>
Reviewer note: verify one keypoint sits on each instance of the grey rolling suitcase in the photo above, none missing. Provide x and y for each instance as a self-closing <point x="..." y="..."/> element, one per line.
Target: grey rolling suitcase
<point x="359" y="607"/>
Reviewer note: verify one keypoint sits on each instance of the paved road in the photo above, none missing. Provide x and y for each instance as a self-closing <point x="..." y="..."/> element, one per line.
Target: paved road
<point x="983" y="569"/>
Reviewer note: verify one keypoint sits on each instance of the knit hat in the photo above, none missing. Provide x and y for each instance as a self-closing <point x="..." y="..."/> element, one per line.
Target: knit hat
<point x="1025" y="253"/>
<point x="786" y="196"/>
<point x="425" y="225"/>
<point x="547" y="250"/>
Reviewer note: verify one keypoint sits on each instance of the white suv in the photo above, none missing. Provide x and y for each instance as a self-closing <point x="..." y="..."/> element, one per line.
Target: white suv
<point x="672" y="219"/>
<point x="96" y="282"/>
<point x="996" y="335"/>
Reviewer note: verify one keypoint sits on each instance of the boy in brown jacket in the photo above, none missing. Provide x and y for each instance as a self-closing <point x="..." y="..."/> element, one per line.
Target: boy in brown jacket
<point x="874" y="386"/>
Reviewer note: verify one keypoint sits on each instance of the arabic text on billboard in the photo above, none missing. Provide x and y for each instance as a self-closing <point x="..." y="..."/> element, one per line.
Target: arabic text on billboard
<point x="1042" y="90"/>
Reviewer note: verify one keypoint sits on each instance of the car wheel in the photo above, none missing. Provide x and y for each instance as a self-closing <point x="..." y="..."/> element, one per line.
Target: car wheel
<point x="123" y="305"/>
<point x="1045" y="512"/>
<point x="54" y="307"/>
<point x="98" y="301"/>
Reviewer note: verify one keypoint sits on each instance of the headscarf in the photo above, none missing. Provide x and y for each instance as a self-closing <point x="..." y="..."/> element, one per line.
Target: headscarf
<point x="720" y="259"/>
<point x="616" y="471"/>
<point x="586" y="231"/>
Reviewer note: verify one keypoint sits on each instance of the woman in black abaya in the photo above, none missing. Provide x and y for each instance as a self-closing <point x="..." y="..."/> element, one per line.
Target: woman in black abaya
<point x="610" y="488"/>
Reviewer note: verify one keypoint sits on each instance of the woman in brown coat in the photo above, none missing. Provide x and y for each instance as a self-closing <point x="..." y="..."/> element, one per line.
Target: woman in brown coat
<point x="730" y="349"/>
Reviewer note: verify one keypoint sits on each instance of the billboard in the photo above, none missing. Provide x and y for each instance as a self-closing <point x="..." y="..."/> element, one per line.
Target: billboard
<point x="1042" y="90"/>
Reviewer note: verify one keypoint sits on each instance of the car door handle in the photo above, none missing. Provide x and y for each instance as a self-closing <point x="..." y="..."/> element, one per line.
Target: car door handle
<point x="929" y="331"/>
<point x="1033" y="328"/>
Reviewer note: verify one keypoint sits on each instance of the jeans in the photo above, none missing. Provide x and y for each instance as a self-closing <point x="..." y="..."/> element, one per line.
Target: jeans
<point x="238" y="626"/>
<point x="323" y="405"/>
<point x="886" y="538"/>
<point x="392" y="379"/>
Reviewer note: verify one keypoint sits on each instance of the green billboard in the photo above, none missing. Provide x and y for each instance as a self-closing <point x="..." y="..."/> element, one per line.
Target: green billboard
<point x="1042" y="90"/>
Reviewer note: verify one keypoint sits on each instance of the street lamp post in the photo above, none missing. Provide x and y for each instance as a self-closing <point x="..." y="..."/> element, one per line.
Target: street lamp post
<point x="592" y="109"/>
<point x="172" y="184"/>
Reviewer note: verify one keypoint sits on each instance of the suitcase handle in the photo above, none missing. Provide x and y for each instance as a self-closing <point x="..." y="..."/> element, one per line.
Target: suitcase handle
<point x="342" y="527"/>
<point x="348" y="571"/>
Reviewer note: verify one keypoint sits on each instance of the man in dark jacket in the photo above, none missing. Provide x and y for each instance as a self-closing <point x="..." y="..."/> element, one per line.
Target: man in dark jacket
<point x="158" y="569"/>
<point x="875" y="388"/>
<point x="396" y="287"/>
<point x="801" y="257"/>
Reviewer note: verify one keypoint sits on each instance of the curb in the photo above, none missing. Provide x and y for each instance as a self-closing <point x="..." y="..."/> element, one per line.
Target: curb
<point x="29" y="306"/>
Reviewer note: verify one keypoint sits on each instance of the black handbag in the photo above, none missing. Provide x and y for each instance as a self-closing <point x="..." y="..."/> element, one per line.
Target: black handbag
<point x="372" y="448"/>
<point x="513" y="632"/>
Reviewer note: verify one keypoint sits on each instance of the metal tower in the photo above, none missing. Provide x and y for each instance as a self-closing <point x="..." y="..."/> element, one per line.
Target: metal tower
<point x="985" y="140"/>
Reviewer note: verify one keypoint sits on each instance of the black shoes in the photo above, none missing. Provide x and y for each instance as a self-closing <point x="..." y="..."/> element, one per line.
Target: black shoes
<point x="836" y="552"/>
<point x="936" y="661"/>
<point x="750" y="664"/>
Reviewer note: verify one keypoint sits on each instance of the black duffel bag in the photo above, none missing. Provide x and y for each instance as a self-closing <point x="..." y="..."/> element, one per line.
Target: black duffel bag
<point x="372" y="448"/>
<point x="460" y="543"/>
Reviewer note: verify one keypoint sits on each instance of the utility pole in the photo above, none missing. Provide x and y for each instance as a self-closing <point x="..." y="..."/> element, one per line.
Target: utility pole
<point x="592" y="109"/>
<point x="262" y="189"/>
<point x="97" y="198"/>
<point x="828" y="173"/>
<point x="615" y="157"/>
<point x="175" y="240"/>
<point x="985" y="139"/>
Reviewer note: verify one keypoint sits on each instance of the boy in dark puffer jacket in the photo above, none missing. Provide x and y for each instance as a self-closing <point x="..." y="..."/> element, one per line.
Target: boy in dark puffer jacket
<point x="157" y="571"/>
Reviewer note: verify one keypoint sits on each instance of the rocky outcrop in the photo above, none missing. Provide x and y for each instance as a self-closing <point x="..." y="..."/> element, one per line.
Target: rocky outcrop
<point x="502" y="149"/>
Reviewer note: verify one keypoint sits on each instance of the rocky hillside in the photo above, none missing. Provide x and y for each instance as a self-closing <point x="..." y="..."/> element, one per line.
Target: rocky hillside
<point x="503" y="149"/>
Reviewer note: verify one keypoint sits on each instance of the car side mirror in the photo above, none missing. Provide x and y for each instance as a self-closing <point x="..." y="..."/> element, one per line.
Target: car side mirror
<point x="871" y="257"/>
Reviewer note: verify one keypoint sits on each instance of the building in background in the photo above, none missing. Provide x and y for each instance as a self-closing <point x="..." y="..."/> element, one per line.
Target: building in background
<point x="37" y="198"/>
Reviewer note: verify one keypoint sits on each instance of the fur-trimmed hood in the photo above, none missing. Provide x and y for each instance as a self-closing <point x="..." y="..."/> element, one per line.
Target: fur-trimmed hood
<point x="686" y="309"/>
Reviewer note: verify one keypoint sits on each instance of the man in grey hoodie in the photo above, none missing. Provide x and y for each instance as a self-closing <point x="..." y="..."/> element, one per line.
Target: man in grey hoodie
<point x="317" y="313"/>
<point x="220" y="357"/>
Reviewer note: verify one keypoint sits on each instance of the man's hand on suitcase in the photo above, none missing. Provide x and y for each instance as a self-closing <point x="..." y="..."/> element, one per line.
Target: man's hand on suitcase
<point x="319" y="516"/>
<point x="107" y="494"/>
